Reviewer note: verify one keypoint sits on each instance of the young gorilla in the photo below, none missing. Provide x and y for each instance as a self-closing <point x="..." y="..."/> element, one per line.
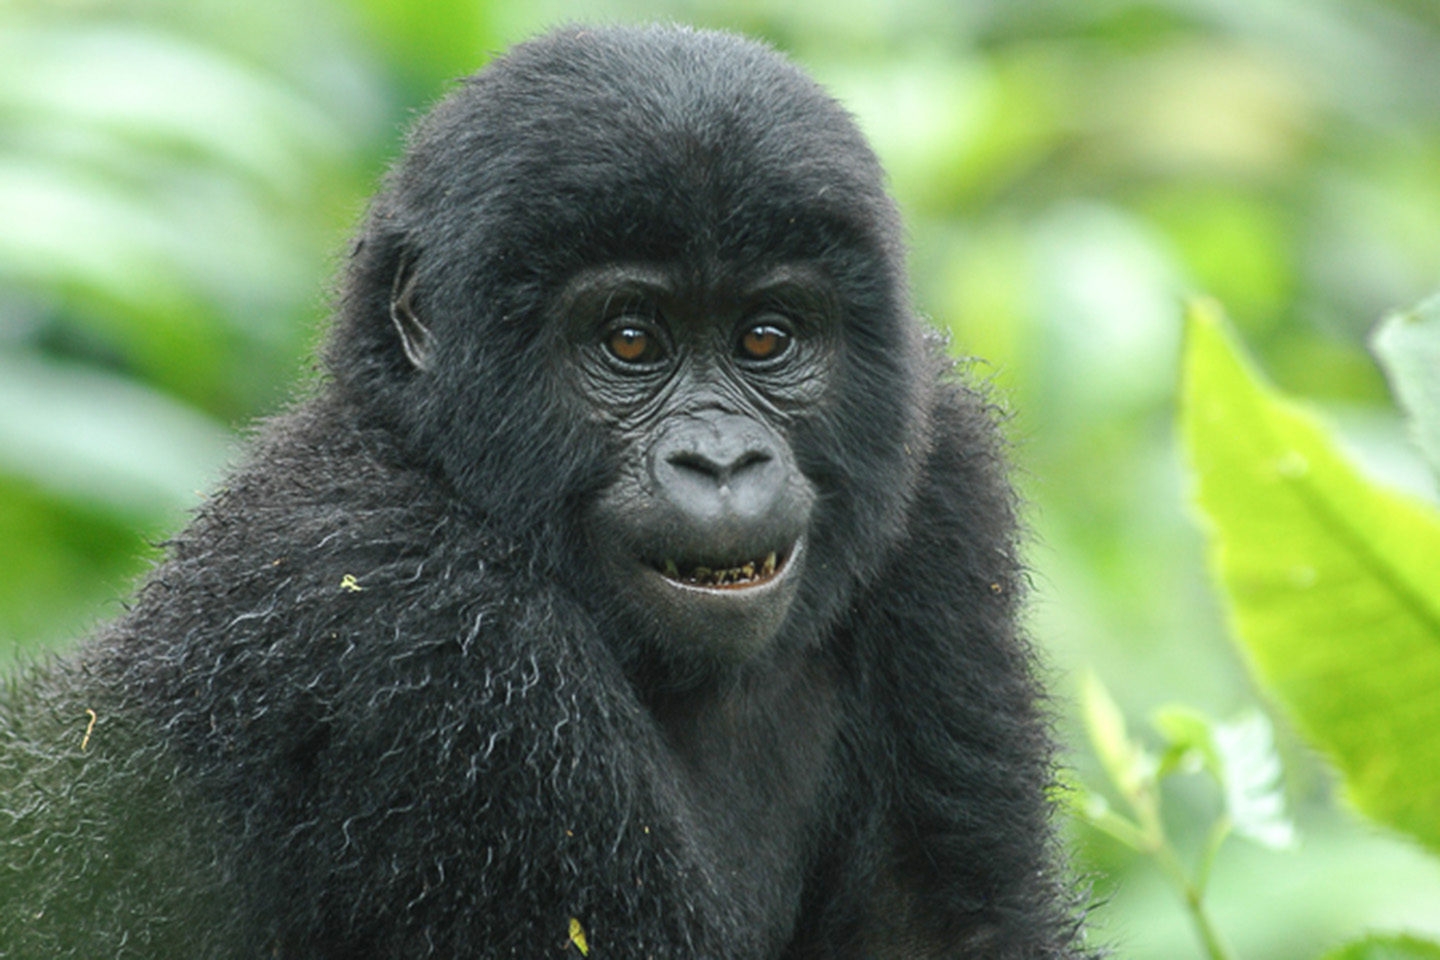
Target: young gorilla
<point x="640" y="573"/>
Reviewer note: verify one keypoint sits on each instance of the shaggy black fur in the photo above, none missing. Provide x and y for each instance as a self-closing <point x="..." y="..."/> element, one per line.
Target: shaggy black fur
<point x="380" y="700"/>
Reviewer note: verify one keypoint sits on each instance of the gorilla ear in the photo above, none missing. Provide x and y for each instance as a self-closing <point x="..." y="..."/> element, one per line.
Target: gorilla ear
<point x="414" y="335"/>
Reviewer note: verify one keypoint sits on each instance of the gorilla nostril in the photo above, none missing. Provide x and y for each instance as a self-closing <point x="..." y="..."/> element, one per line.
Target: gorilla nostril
<point x="720" y="470"/>
<point x="692" y="460"/>
<point x="751" y="458"/>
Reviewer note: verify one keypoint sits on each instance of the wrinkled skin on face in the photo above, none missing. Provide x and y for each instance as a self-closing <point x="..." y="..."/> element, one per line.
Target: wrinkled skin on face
<point x="704" y="525"/>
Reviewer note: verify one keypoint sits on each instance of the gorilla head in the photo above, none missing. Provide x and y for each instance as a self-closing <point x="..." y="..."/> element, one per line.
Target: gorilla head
<point x="659" y="312"/>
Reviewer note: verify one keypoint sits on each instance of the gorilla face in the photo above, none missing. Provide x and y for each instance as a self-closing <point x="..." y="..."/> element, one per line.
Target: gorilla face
<point x="702" y="531"/>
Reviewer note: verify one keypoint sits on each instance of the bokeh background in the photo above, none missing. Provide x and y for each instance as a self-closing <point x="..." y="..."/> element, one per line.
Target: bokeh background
<point x="178" y="179"/>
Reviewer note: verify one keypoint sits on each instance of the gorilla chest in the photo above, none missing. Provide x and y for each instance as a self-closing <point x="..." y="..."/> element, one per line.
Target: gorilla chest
<point x="745" y="777"/>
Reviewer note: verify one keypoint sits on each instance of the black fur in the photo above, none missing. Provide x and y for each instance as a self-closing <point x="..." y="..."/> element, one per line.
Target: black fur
<point x="378" y="701"/>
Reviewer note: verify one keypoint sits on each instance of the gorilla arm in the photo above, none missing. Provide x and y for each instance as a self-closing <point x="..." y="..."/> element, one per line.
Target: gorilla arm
<point x="338" y="718"/>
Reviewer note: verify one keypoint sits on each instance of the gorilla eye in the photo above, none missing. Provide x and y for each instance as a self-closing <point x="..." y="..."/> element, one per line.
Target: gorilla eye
<point x="633" y="345"/>
<point x="764" y="341"/>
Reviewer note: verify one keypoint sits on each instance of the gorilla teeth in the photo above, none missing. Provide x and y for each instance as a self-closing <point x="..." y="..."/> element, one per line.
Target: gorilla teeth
<point x="749" y="573"/>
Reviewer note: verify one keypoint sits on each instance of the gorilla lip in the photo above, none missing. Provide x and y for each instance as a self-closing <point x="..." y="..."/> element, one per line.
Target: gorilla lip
<point x="740" y="576"/>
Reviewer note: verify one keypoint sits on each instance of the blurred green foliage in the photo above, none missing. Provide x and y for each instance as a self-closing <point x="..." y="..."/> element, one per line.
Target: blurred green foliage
<point x="1333" y="592"/>
<point x="1239" y="758"/>
<point x="1332" y="580"/>
<point x="178" y="179"/>
<point x="1387" y="948"/>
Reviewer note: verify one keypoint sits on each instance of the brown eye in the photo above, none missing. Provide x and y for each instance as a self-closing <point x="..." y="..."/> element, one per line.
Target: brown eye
<point x="764" y="342"/>
<point x="633" y="345"/>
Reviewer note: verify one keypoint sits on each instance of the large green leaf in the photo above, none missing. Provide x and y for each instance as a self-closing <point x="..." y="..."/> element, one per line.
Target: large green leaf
<point x="1333" y="583"/>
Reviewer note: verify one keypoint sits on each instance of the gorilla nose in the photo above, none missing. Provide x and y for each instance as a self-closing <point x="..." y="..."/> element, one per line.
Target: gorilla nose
<point x="717" y="466"/>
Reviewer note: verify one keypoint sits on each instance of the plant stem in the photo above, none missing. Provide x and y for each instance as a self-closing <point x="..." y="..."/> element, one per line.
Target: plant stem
<point x="1218" y="833"/>
<point x="1215" y="946"/>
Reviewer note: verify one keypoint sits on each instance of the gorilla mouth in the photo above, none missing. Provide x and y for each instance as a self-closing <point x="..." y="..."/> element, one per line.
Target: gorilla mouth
<point x="740" y="576"/>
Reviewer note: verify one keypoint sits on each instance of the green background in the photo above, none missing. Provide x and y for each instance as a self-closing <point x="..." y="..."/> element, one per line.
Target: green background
<point x="178" y="180"/>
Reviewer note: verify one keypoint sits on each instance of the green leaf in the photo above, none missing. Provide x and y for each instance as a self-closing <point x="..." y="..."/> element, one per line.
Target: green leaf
<point x="1129" y="767"/>
<point x="1241" y="756"/>
<point x="1387" y="948"/>
<point x="1333" y="583"/>
<point x="1252" y="780"/>
<point x="1408" y="345"/>
<point x="1190" y="737"/>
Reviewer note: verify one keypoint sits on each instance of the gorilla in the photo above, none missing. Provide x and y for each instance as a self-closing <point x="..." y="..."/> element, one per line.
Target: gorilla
<point x="638" y="581"/>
